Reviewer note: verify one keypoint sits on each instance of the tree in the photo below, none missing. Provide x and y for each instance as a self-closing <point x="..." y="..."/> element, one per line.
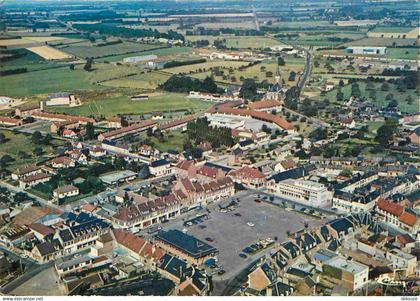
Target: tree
<point x="71" y="66"/>
<point x="38" y="151"/>
<point x="385" y="134"/>
<point x="36" y="137"/>
<point x="249" y="89"/>
<point x="280" y="61"/>
<point x="409" y="99"/>
<point x="341" y="83"/>
<point x="88" y="65"/>
<point x="123" y="121"/>
<point x="385" y="87"/>
<point x="90" y="131"/>
<point x="2" y="138"/>
<point x="340" y="95"/>
<point x="292" y="76"/>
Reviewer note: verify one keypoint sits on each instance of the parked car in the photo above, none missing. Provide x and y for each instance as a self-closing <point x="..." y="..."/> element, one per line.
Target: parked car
<point x="221" y="272"/>
<point x="242" y="255"/>
<point x="238" y="214"/>
<point x="209" y="239"/>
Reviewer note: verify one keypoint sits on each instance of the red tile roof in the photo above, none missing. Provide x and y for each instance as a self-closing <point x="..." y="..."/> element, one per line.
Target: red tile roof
<point x="36" y="177"/>
<point x="390" y="207"/>
<point x="128" y="129"/>
<point x="247" y="172"/>
<point x="176" y="122"/>
<point x="129" y="240"/>
<point x="259" y="115"/>
<point x="264" y="104"/>
<point x="14" y="121"/>
<point x="185" y="164"/>
<point x="63" y="117"/>
<point x="42" y="229"/>
<point x="408" y="218"/>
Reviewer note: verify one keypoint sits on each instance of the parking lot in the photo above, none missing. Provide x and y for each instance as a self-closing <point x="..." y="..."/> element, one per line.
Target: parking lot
<point x="232" y="231"/>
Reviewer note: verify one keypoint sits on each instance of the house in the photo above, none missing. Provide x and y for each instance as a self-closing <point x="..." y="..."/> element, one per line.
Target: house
<point x="185" y="246"/>
<point x="33" y="180"/>
<point x="41" y="231"/>
<point x="415" y="136"/>
<point x="352" y="275"/>
<point x="185" y="168"/>
<point x="8" y="121"/>
<point x="97" y="152"/>
<point x="194" y="193"/>
<point x="347" y="122"/>
<point x="78" y="156"/>
<point x="144" y="212"/>
<point x="396" y="215"/>
<point x="285" y="165"/>
<point x="208" y="174"/>
<point x="160" y="168"/>
<point x="62" y="162"/>
<point x="114" y="178"/>
<point x="26" y="172"/>
<point x="65" y="191"/>
<point x="249" y="177"/>
<point x="62" y="99"/>
<point x="261" y="277"/>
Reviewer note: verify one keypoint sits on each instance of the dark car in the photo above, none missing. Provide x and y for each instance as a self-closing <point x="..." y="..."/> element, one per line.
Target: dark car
<point x="257" y="201"/>
<point x="238" y="214"/>
<point x="248" y="250"/>
<point x="221" y="272"/>
<point x="209" y="239"/>
<point x="242" y="255"/>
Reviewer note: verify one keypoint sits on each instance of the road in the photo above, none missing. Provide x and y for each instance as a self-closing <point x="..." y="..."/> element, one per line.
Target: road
<point x="37" y="198"/>
<point x="307" y="71"/>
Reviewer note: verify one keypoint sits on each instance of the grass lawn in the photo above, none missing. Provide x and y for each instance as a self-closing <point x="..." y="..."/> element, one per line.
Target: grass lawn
<point x="45" y="81"/>
<point x="174" y="140"/>
<point x="122" y="105"/>
<point x="21" y="142"/>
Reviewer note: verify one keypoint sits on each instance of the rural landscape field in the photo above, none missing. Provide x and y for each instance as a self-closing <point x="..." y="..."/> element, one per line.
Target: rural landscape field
<point x="209" y="148"/>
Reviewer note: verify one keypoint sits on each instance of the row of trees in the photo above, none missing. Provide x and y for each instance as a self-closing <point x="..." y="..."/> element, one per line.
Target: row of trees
<point x="184" y="84"/>
<point x="200" y="131"/>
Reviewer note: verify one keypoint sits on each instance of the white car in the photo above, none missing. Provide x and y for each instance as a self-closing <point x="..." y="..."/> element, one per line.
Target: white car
<point x="250" y="224"/>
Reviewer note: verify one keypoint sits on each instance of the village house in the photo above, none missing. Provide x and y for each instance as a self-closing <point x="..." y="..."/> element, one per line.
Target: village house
<point x="8" y="121"/>
<point x="62" y="162"/>
<point x="185" y="169"/>
<point x="347" y="122"/>
<point x="97" y="152"/>
<point x="160" y="168"/>
<point x="249" y="177"/>
<point x="415" y="136"/>
<point x="396" y="215"/>
<point x="144" y="212"/>
<point x="26" y="172"/>
<point x="65" y="191"/>
<point x="33" y="180"/>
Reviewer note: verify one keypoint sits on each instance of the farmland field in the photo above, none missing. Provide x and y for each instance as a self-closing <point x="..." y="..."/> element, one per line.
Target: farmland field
<point x="150" y="80"/>
<point x="84" y="51"/>
<point x="205" y="66"/>
<point x="49" y="53"/>
<point x="382" y="42"/>
<point x="45" y="81"/>
<point x="122" y="105"/>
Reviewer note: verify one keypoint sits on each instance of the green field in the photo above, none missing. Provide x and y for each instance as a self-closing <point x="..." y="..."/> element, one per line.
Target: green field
<point x="173" y="140"/>
<point x="205" y="66"/>
<point x="45" y="81"/>
<point x="404" y="53"/>
<point x="245" y="42"/>
<point x="122" y="105"/>
<point x="396" y="29"/>
<point x="371" y="41"/>
<point x="21" y="142"/>
<point x="146" y="81"/>
<point x="83" y="51"/>
<point x="163" y="52"/>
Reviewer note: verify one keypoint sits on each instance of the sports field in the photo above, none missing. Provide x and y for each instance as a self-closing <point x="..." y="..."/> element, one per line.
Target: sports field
<point x="123" y="105"/>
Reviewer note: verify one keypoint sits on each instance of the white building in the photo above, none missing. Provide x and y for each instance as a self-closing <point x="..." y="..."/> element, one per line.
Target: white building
<point x="306" y="192"/>
<point x="367" y="50"/>
<point x="160" y="168"/>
